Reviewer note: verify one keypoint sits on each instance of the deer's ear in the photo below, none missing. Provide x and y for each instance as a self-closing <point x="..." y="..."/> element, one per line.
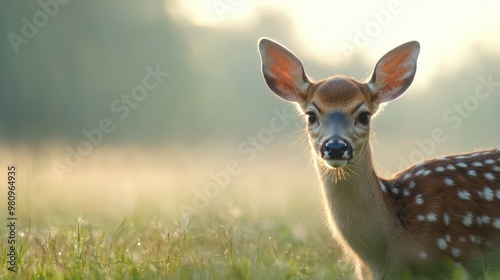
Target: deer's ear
<point x="394" y="72"/>
<point x="283" y="71"/>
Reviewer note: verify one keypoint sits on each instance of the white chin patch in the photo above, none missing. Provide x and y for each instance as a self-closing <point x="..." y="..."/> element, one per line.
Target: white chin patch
<point x="336" y="163"/>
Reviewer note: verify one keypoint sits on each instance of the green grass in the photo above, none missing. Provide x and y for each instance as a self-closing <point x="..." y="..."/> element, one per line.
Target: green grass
<point x="106" y="223"/>
<point x="149" y="246"/>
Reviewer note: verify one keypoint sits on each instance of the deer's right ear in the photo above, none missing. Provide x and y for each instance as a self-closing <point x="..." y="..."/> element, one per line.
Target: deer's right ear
<point x="283" y="71"/>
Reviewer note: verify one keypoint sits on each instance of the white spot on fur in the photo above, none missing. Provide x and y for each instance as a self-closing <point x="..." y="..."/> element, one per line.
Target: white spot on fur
<point x="446" y="219"/>
<point x="411" y="185"/>
<point x="448" y="182"/>
<point x="420" y="218"/>
<point x="406" y="176"/>
<point x="489" y="176"/>
<point x="441" y="243"/>
<point x="419" y="199"/>
<point x="450" y="167"/>
<point x="483" y="220"/>
<point x="420" y="172"/>
<point x="496" y="168"/>
<point x="477" y="164"/>
<point x="489" y="161"/>
<point x="426" y="172"/>
<point x="406" y="192"/>
<point x="496" y="223"/>
<point x="440" y="169"/>
<point x="468" y="219"/>
<point x="462" y="239"/>
<point x="473" y="238"/>
<point x="464" y="194"/>
<point x="497" y="193"/>
<point x="448" y="238"/>
<point x="431" y="217"/>
<point x="488" y="194"/>
<point x="456" y="252"/>
<point x="472" y="173"/>
<point x="461" y="164"/>
<point x="420" y="163"/>
<point x="422" y="255"/>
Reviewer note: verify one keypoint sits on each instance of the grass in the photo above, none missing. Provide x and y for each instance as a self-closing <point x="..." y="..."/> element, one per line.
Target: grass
<point x="114" y="217"/>
<point x="148" y="246"/>
<point x="117" y="220"/>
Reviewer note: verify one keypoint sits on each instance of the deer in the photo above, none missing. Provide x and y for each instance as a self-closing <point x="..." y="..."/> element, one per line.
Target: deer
<point x="425" y="221"/>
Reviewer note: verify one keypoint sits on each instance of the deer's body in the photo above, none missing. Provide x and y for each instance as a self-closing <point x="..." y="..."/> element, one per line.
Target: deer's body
<point x="409" y="225"/>
<point x="423" y="222"/>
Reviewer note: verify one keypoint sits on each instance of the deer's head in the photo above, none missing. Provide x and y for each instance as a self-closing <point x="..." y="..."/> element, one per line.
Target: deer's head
<point x="338" y="109"/>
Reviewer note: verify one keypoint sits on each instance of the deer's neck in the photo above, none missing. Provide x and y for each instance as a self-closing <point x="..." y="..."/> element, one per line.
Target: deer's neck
<point x="357" y="209"/>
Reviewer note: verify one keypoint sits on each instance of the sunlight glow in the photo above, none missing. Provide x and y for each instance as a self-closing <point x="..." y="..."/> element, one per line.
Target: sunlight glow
<point x="330" y="31"/>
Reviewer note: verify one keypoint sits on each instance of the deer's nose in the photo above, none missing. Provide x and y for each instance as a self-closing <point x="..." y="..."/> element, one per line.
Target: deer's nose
<point x="336" y="149"/>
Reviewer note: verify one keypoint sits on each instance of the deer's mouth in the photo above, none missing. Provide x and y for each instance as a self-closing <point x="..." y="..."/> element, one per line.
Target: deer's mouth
<point x="336" y="163"/>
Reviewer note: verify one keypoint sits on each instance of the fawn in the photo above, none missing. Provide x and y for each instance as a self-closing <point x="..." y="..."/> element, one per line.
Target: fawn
<point x="423" y="222"/>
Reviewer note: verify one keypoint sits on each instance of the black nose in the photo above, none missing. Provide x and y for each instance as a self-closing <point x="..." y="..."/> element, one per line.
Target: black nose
<point x="335" y="149"/>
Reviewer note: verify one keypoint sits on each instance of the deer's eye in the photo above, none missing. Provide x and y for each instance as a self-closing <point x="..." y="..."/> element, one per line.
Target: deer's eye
<point x="364" y="118"/>
<point x="311" y="118"/>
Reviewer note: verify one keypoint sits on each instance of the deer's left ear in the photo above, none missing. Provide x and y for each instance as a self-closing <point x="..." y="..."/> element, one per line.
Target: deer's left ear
<point x="394" y="72"/>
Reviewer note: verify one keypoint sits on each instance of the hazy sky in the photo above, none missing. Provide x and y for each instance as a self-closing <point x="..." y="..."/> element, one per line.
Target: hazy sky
<point x="334" y="30"/>
<point x="82" y="64"/>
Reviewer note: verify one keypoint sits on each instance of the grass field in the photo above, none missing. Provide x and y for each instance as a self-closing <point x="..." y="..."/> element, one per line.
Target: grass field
<point x="146" y="246"/>
<point x="119" y="219"/>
